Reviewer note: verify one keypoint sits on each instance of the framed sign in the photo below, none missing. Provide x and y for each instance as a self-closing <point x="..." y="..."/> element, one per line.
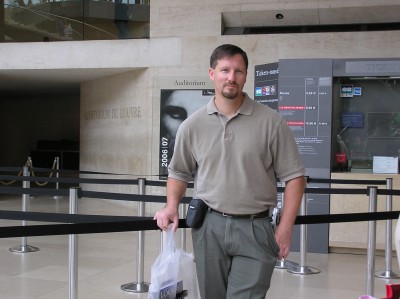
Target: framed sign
<point x="175" y="106"/>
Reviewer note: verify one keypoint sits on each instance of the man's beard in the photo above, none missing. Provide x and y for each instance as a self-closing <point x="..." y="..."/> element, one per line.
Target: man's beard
<point x="231" y="93"/>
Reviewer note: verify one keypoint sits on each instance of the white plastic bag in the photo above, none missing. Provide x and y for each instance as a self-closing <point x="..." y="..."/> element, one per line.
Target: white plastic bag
<point x="173" y="274"/>
<point x="187" y="275"/>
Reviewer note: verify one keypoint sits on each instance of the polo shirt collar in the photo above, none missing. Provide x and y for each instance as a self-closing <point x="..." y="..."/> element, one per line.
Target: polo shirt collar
<point x="245" y="109"/>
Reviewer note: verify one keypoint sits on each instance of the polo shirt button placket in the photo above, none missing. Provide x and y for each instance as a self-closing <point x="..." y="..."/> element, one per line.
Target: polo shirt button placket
<point x="228" y="135"/>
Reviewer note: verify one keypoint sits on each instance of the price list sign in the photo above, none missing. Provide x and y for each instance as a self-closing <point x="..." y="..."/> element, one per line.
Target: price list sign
<point x="305" y="100"/>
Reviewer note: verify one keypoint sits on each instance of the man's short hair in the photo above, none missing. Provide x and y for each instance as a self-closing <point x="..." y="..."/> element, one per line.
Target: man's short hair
<point x="227" y="50"/>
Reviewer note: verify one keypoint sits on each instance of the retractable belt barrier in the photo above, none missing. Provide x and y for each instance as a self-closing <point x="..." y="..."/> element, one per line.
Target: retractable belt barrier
<point x="147" y="222"/>
<point x="90" y="224"/>
<point x="73" y="224"/>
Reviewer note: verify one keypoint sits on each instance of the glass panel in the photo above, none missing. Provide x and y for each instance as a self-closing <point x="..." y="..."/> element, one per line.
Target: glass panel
<point x="367" y="119"/>
<point x="43" y="20"/>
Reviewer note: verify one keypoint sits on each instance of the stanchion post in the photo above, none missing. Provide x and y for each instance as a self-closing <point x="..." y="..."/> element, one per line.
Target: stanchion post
<point x="302" y="268"/>
<point x="388" y="273"/>
<point x="24" y="247"/>
<point x="30" y="164"/>
<point x="74" y="195"/>
<point x="371" y="245"/>
<point x="139" y="286"/>
<point x="57" y="162"/>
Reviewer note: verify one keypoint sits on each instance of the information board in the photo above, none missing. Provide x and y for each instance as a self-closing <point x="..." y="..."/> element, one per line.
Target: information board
<point x="305" y="100"/>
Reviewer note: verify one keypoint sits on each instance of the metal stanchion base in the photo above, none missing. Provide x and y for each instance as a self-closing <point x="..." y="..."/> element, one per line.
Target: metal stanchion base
<point x="136" y="287"/>
<point x="285" y="264"/>
<point x="24" y="249"/>
<point x="303" y="270"/>
<point x="387" y="274"/>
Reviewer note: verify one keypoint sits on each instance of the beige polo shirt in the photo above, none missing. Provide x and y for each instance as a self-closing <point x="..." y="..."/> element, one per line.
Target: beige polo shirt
<point x="236" y="161"/>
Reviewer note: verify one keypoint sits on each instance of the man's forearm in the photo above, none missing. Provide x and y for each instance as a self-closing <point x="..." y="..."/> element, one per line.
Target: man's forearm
<point x="175" y="191"/>
<point x="292" y="199"/>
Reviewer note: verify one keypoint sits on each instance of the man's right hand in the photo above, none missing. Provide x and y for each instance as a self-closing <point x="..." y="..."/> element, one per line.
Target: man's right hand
<point x="175" y="191"/>
<point x="166" y="216"/>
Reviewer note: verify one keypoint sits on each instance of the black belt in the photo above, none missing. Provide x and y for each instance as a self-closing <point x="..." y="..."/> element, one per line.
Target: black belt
<point x="263" y="214"/>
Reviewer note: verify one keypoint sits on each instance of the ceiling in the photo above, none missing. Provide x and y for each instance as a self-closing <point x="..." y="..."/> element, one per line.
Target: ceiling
<point x="303" y="14"/>
<point x="63" y="81"/>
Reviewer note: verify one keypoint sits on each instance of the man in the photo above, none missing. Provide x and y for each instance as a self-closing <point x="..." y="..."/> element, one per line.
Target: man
<point x="236" y="148"/>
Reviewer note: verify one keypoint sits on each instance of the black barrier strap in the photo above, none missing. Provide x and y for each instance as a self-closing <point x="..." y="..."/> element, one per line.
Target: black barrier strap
<point x="63" y="218"/>
<point x="84" y="218"/>
<point x="122" y="196"/>
<point x="387" y="192"/>
<point x="330" y="191"/>
<point x="156" y="183"/>
<point x="154" y="198"/>
<point x="348" y="217"/>
<point x="161" y="199"/>
<point x="84" y="180"/>
<point x="81" y="228"/>
<point x="89" y="194"/>
<point x="146" y="223"/>
<point x="69" y="180"/>
<point x="162" y="183"/>
<point x="67" y="171"/>
<point x="34" y="191"/>
<point x="348" y="182"/>
<point x="335" y="191"/>
<point x="129" y="197"/>
<point x="40" y="169"/>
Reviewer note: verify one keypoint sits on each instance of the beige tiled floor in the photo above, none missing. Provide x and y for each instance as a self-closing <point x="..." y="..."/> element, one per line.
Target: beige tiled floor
<point x="107" y="261"/>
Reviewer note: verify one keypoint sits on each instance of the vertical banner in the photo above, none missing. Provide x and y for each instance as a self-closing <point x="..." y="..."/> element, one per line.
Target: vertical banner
<point x="266" y="84"/>
<point x="175" y="106"/>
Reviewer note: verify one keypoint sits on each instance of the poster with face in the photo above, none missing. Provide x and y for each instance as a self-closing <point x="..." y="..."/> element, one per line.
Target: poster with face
<point x="175" y="106"/>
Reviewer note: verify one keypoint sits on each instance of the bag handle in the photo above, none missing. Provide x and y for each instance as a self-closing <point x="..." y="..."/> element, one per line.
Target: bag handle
<point x="169" y="240"/>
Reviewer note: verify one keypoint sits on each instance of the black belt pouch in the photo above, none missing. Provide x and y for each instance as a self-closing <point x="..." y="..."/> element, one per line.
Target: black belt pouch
<point x="196" y="212"/>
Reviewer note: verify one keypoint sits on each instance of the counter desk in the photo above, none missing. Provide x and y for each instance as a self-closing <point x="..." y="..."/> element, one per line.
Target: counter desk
<point x="354" y="235"/>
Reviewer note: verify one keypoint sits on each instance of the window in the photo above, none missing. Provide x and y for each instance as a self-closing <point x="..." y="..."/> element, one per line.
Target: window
<point x="367" y="114"/>
<point x="45" y="20"/>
